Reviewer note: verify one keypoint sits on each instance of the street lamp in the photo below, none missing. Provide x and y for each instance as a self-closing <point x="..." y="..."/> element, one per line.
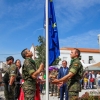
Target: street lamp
<point x="99" y="41"/>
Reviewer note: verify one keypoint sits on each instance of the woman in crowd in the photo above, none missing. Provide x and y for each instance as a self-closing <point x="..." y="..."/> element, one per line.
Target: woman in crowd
<point x="85" y="81"/>
<point x="98" y="79"/>
<point x="18" y="79"/>
<point x="91" y="77"/>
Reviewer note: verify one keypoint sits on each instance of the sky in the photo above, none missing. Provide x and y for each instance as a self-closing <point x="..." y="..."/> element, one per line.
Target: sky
<point x="21" y="22"/>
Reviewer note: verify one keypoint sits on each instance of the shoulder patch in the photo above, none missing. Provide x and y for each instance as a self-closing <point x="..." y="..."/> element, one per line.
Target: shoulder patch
<point x="76" y="64"/>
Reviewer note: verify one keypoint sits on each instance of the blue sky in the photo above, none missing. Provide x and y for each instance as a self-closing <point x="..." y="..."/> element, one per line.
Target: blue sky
<point x="21" y="22"/>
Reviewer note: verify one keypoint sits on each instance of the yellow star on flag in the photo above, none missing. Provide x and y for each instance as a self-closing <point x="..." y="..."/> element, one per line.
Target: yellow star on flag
<point x="54" y="25"/>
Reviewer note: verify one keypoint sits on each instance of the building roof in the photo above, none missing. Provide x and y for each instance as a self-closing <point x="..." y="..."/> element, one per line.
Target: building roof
<point x="82" y="49"/>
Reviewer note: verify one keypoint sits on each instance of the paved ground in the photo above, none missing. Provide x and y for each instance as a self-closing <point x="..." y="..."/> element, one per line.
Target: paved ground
<point x="43" y="97"/>
<point x="1" y="95"/>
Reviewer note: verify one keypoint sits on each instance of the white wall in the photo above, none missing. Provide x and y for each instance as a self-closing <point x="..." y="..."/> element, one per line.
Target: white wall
<point x="32" y="49"/>
<point x="85" y="57"/>
<point x="65" y="55"/>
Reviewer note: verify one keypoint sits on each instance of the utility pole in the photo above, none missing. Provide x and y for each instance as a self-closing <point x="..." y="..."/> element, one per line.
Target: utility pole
<point x="99" y="41"/>
<point x="98" y="87"/>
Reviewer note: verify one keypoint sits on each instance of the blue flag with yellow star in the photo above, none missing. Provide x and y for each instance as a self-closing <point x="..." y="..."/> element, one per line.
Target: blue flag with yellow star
<point x="54" y="51"/>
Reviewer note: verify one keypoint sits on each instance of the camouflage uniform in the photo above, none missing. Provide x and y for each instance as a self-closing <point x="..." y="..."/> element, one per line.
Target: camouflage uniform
<point x="74" y="86"/>
<point x="29" y="86"/>
<point x="54" y="86"/>
<point x="12" y="71"/>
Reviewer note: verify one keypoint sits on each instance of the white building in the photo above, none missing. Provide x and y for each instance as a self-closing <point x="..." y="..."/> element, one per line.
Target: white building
<point x="32" y="49"/>
<point x="4" y="67"/>
<point x="88" y="56"/>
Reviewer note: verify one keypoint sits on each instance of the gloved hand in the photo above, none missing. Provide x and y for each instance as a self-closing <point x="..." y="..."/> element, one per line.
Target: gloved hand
<point x="9" y="88"/>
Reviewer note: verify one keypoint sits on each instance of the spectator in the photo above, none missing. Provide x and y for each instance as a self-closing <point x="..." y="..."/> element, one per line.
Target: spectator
<point x="89" y="80"/>
<point x="93" y="76"/>
<point x="98" y="79"/>
<point x="44" y="76"/>
<point x="63" y="71"/>
<point x="53" y="75"/>
<point x="85" y="82"/>
<point x="41" y="83"/>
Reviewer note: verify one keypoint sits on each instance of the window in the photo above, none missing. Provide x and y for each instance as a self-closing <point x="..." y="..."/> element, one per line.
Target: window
<point x="90" y="59"/>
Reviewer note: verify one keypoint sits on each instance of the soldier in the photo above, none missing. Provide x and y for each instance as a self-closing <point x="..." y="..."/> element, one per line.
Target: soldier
<point x="53" y="75"/>
<point x="29" y="74"/>
<point x="9" y="79"/>
<point x="74" y="75"/>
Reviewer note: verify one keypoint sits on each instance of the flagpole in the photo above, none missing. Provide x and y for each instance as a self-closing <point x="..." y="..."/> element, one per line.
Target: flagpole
<point x="47" y="53"/>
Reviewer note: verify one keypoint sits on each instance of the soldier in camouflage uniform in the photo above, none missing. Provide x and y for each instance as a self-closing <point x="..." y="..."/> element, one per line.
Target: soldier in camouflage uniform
<point x="9" y="85"/>
<point x="53" y="75"/>
<point x="74" y="75"/>
<point x="29" y="74"/>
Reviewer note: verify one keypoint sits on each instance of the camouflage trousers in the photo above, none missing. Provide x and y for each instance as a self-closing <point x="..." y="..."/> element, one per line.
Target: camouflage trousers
<point x="29" y="92"/>
<point x="53" y="88"/>
<point x="8" y="96"/>
<point x="73" y="95"/>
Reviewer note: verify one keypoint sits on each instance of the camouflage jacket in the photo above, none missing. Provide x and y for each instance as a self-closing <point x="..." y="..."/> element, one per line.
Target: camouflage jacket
<point x="76" y="68"/>
<point x="27" y="69"/>
<point x="54" y="74"/>
<point x="12" y="70"/>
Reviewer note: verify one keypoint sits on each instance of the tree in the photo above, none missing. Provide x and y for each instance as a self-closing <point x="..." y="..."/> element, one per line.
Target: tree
<point x="40" y="49"/>
<point x="41" y="52"/>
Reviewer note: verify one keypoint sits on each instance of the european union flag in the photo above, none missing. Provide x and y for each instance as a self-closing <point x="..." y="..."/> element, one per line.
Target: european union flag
<point x="53" y="34"/>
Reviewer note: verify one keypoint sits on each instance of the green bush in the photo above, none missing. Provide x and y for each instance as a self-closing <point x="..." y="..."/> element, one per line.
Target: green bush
<point x="87" y="97"/>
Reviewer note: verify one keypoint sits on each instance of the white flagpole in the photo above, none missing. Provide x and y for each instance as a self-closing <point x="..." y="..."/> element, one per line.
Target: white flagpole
<point x="47" y="53"/>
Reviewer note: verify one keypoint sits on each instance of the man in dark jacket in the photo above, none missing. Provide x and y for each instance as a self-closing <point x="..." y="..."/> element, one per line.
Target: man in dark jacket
<point x="62" y="72"/>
